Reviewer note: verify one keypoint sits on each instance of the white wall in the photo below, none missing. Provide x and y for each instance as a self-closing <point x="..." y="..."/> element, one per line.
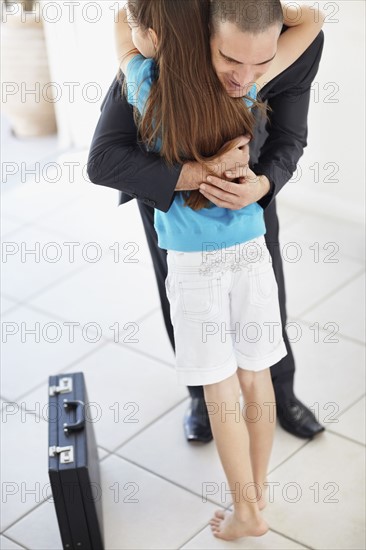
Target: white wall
<point x="336" y="130"/>
<point x="83" y="52"/>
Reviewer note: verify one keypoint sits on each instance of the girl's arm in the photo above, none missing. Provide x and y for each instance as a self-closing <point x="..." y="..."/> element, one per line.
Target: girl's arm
<point x="305" y="24"/>
<point x="124" y="46"/>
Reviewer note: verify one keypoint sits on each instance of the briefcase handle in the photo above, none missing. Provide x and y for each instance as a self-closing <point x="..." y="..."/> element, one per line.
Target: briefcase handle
<point x="80" y="415"/>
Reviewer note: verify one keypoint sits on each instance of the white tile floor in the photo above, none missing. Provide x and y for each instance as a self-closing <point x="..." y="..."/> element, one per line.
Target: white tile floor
<point x="317" y="482"/>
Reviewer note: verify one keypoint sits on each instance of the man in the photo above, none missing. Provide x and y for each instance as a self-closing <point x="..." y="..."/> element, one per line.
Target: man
<point x="117" y="161"/>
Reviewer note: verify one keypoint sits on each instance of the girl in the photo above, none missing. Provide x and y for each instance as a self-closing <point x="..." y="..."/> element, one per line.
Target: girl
<point x="220" y="281"/>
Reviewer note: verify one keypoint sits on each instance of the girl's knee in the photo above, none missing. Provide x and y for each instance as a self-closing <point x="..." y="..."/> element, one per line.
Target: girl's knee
<point x="250" y="377"/>
<point x="228" y="388"/>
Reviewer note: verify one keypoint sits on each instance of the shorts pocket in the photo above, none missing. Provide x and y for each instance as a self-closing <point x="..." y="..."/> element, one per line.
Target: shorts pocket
<point x="201" y="300"/>
<point x="262" y="284"/>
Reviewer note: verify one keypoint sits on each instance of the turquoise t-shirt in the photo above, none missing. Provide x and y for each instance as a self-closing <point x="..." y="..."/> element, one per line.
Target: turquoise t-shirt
<point x="182" y="228"/>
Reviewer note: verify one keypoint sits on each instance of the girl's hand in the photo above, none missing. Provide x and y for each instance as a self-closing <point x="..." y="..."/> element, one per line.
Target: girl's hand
<point x="235" y="160"/>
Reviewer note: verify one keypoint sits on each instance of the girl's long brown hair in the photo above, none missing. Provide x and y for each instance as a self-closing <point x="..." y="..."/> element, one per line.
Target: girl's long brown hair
<point x="188" y="107"/>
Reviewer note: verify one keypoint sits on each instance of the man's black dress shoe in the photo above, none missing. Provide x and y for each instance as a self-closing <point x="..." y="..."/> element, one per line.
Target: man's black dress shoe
<point x="197" y="422"/>
<point x="297" y="419"/>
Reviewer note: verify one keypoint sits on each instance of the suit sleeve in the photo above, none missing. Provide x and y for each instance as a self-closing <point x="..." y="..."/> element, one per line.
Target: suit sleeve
<point x="117" y="160"/>
<point x="287" y="128"/>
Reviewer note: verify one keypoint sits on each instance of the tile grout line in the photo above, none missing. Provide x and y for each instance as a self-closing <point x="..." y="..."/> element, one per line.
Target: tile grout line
<point x="345" y="255"/>
<point x="143" y="354"/>
<point x="343" y="411"/>
<point x="40" y="224"/>
<point x="330" y="294"/>
<point x="35" y="225"/>
<point x="10" y="309"/>
<point x="36" y="308"/>
<point x="160" y="476"/>
<point x="347" y="408"/>
<point x="285" y="203"/>
<point x="270" y="529"/>
<point x="101" y="460"/>
<point x="67" y="203"/>
<point x="135" y="435"/>
<point x="113" y="451"/>
<point x="185" y="489"/>
<point x="292" y="539"/>
<point x="110" y="453"/>
<point x="175" y="483"/>
<point x="311" y="441"/>
<point x="105" y="339"/>
<point x="56" y="283"/>
<point x="290" y="456"/>
<point x="25" y="303"/>
<point x="62" y="371"/>
<point x="20" y="518"/>
<point x="291" y="318"/>
<point x="350" y="439"/>
<point x="182" y="487"/>
<point x="49" y="286"/>
<point x="8" y="297"/>
<point x="15" y="541"/>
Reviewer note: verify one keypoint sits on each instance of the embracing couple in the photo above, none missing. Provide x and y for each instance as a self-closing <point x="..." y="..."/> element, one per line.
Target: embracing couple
<point x="197" y="75"/>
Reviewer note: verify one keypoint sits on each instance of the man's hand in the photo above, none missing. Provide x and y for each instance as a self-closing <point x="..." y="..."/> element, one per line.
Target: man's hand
<point x="226" y="194"/>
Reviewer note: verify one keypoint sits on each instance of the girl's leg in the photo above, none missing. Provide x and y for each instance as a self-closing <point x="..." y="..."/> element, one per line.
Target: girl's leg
<point x="260" y="417"/>
<point x="232" y="442"/>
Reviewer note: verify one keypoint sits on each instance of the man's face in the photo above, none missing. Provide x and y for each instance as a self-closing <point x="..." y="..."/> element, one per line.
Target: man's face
<point x="239" y="58"/>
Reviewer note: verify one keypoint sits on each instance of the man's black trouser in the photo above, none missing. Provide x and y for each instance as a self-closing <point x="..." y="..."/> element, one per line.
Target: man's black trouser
<point x="282" y="372"/>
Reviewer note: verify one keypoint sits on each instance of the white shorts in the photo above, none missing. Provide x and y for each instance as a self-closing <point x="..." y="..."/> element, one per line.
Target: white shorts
<point x="225" y="312"/>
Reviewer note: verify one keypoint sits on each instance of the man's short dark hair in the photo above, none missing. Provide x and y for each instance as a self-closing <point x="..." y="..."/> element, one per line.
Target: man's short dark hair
<point x="253" y="16"/>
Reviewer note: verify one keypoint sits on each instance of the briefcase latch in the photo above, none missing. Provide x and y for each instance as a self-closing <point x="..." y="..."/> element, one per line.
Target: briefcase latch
<point x="65" y="386"/>
<point x="66" y="453"/>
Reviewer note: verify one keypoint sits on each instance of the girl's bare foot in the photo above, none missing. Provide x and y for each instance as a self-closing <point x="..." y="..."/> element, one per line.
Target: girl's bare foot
<point x="227" y="526"/>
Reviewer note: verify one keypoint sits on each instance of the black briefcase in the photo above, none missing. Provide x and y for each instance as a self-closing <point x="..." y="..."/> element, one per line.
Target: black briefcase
<point x="73" y="465"/>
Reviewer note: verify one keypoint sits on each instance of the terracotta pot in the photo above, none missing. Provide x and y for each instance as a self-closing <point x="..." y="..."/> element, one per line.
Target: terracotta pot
<point x="25" y="69"/>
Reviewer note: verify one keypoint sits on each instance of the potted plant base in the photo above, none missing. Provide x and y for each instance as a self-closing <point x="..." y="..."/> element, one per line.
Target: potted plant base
<point x="27" y="96"/>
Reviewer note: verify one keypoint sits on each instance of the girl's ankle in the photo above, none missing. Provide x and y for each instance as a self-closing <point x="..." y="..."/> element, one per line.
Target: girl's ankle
<point x="247" y="514"/>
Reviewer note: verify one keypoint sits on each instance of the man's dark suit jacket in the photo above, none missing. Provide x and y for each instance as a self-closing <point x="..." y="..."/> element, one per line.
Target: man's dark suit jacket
<point x="117" y="160"/>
